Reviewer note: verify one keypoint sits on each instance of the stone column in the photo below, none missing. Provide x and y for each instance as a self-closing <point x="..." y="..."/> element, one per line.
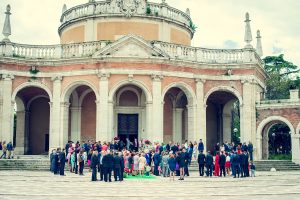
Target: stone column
<point x="200" y="130"/>
<point x="20" y="133"/>
<point x="55" y="116"/>
<point x="64" y="109"/>
<point x="102" y="132"/>
<point x="26" y="137"/>
<point x="226" y="126"/>
<point x="149" y="112"/>
<point x="258" y="153"/>
<point x="248" y="112"/>
<point x="157" y="122"/>
<point x="111" y="118"/>
<point x="177" y="124"/>
<point x="7" y="109"/>
<point x="75" y="123"/>
<point x="191" y="122"/>
<point x="296" y="148"/>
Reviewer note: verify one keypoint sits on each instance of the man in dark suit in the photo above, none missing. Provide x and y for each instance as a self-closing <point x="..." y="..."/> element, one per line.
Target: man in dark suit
<point x="156" y="160"/>
<point x="235" y="165"/>
<point x="201" y="163"/>
<point x="246" y="164"/>
<point x="61" y="161"/>
<point x="174" y="148"/>
<point x="122" y="166"/>
<point x="101" y="169"/>
<point x="186" y="162"/>
<point x="108" y="162"/>
<point x="250" y="150"/>
<point x="209" y="164"/>
<point x="94" y="164"/>
<point x="117" y="167"/>
<point x="222" y="162"/>
<point x="242" y="158"/>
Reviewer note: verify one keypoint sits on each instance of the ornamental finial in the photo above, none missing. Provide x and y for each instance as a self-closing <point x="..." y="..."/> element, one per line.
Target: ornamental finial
<point x="259" y="49"/>
<point x="248" y="34"/>
<point x="64" y="8"/>
<point x="6" y="27"/>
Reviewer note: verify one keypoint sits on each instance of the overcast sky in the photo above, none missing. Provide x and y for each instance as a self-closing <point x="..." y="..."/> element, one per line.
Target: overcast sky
<point x="220" y="22"/>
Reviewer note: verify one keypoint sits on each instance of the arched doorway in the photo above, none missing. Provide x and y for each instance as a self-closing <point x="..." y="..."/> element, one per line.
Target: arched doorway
<point x="222" y="119"/>
<point x="276" y="141"/>
<point x="129" y="113"/>
<point x="32" y="118"/>
<point x="81" y="112"/>
<point x="175" y="116"/>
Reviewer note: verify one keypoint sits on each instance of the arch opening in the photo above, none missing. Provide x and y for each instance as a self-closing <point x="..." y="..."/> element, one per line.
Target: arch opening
<point x="222" y="119"/>
<point x="276" y="141"/>
<point x="81" y="113"/>
<point x="129" y="113"/>
<point x="175" y="115"/>
<point x="31" y="121"/>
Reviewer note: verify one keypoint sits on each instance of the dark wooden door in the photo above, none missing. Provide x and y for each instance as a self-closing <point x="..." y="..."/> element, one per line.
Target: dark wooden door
<point x="128" y="126"/>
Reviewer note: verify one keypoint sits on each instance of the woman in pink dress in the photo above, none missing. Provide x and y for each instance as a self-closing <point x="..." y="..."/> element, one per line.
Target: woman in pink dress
<point x="217" y="165"/>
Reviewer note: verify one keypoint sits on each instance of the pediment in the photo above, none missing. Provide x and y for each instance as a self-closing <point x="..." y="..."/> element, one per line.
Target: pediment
<point x="130" y="46"/>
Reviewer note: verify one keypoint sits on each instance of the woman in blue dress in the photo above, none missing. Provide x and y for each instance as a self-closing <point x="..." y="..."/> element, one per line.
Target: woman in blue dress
<point x="172" y="166"/>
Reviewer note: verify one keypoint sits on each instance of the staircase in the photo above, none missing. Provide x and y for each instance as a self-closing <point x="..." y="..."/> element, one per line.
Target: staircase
<point x="279" y="165"/>
<point x="34" y="164"/>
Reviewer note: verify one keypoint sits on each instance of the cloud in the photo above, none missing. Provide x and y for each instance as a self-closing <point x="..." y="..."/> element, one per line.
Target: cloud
<point x="277" y="50"/>
<point x="220" y="22"/>
<point x="230" y="44"/>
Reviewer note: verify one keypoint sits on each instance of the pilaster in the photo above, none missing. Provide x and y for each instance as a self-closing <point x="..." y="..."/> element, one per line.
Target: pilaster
<point x="20" y="133"/>
<point x="149" y="112"/>
<point x="157" y="108"/>
<point x="200" y="132"/>
<point x="64" y="126"/>
<point x="296" y="148"/>
<point x="55" y="115"/>
<point x="102" y="132"/>
<point x="75" y="123"/>
<point x="7" y="109"/>
<point x="177" y="124"/>
<point x="248" y="113"/>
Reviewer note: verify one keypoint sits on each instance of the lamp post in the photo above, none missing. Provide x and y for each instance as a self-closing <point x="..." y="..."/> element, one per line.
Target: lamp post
<point x="273" y="139"/>
<point x="235" y="130"/>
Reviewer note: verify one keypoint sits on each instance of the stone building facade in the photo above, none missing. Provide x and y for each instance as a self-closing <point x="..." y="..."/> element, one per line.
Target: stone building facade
<point x="126" y="68"/>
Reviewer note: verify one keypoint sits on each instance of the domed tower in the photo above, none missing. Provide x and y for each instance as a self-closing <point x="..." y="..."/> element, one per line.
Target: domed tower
<point x="112" y="19"/>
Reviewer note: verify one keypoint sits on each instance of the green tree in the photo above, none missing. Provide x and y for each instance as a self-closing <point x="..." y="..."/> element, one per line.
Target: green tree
<point x="282" y="76"/>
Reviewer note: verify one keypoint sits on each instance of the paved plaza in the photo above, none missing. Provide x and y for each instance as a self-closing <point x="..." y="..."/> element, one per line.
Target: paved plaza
<point x="44" y="185"/>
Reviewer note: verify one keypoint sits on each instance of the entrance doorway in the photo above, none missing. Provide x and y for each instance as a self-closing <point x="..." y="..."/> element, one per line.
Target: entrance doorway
<point x="128" y="127"/>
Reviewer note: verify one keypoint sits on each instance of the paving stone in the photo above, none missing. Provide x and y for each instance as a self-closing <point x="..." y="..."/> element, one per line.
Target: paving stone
<point x="34" y="185"/>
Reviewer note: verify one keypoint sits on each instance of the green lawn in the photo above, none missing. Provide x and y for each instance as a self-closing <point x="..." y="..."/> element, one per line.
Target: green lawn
<point x="280" y="157"/>
<point x="139" y="177"/>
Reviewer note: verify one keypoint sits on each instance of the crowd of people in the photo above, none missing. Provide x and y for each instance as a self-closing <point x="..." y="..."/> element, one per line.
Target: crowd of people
<point x="119" y="159"/>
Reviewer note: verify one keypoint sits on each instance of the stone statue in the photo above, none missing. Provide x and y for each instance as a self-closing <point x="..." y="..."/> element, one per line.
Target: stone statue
<point x="130" y="7"/>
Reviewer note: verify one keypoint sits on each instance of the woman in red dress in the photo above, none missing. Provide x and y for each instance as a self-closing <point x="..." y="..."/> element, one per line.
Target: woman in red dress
<point x="217" y="165"/>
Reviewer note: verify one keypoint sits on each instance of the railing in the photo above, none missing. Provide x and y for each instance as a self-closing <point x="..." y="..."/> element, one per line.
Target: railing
<point x="49" y="52"/>
<point x="203" y="55"/>
<point x="33" y="51"/>
<point x="173" y="51"/>
<point x="277" y="102"/>
<point x="109" y="8"/>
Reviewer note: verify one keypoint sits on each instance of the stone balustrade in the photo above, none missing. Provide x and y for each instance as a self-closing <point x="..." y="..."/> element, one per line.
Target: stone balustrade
<point x="203" y="55"/>
<point x="50" y="52"/>
<point x="103" y="8"/>
<point x="87" y="49"/>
